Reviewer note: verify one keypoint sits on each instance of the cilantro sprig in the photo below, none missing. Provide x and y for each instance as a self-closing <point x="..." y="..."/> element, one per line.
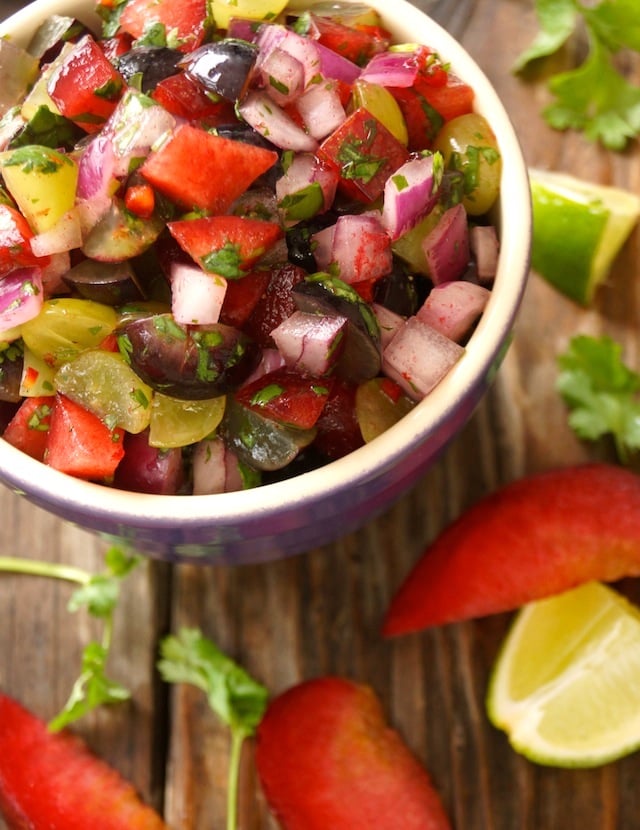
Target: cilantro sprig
<point x="595" y="97"/>
<point x="602" y="393"/>
<point x="237" y="699"/>
<point x="99" y="594"/>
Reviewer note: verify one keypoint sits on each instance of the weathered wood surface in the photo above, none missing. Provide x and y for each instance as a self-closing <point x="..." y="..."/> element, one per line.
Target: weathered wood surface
<point x="320" y="613"/>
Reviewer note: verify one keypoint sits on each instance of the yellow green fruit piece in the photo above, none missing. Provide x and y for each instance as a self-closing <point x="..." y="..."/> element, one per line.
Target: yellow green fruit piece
<point x="66" y="326"/>
<point x="579" y="229"/>
<point x="381" y="103"/>
<point x="224" y="10"/>
<point x="566" y="684"/>
<point x="178" y="423"/>
<point x="105" y="384"/>
<point x="43" y="183"/>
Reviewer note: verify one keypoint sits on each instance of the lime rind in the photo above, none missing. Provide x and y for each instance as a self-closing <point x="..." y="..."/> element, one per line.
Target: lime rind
<point x="579" y="228"/>
<point x="578" y="704"/>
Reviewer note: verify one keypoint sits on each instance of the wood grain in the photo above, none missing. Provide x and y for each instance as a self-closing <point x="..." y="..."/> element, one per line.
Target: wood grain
<point x="320" y="613"/>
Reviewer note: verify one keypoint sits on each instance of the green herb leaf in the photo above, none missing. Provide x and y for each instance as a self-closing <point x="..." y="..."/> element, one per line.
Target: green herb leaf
<point x="603" y="394"/>
<point x="225" y="261"/>
<point x="48" y="129"/>
<point x="98" y="593"/>
<point x="594" y="98"/>
<point x="557" y="20"/>
<point x="237" y="699"/>
<point x="597" y="100"/>
<point x="616" y="23"/>
<point x="92" y="689"/>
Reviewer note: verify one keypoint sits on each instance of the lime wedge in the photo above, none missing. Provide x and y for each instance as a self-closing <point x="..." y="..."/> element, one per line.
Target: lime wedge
<point x="578" y="230"/>
<point x="566" y="684"/>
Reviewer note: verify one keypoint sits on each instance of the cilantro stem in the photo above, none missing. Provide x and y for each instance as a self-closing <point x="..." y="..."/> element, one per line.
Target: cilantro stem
<point x="237" y="739"/>
<point x="14" y="564"/>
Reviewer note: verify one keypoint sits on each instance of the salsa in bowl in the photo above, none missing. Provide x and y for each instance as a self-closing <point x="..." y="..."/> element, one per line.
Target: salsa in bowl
<point x="262" y="270"/>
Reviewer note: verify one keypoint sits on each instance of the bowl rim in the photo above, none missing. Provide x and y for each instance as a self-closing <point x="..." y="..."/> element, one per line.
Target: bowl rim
<point x="483" y="354"/>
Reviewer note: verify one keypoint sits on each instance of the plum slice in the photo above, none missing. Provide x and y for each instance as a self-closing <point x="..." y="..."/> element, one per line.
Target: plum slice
<point x="191" y="363"/>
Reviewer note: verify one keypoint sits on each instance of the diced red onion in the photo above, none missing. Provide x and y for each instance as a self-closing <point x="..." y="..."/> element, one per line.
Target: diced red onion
<point x="53" y="273"/>
<point x="21" y="297"/>
<point x="321" y="109"/>
<point x="268" y="37"/>
<point x="398" y="69"/>
<point x="282" y="76"/>
<point x="272" y="122"/>
<point x="361" y="248"/>
<point x="196" y="296"/>
<point x="305" y="50"/>
<point x="65" y="235"/>
<point x="335" y="66"/>
<point x="96" y="181"/>
<point x="135" y="126"/>
<point x="9" y="128"/>
<point x="485" y="247"/>
<point x="454" y="307"/>
<point x="323" y="247"/>
<point x="215" y="468"/>
<point x="446" y="247"/>
<point x="411" y="193"/>
<point x="418" y="357"/>
<point x="310" y="342"/>
<point x="304" y="170"/>
<point x="270" y="360"/>
<point x="388" y="321"/>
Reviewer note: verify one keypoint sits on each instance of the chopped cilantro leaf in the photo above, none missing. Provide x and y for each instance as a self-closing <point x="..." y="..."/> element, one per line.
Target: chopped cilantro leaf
<point x="594" y="98"/>
<point x="602" y="393"/>
<point x="225" y="261"/>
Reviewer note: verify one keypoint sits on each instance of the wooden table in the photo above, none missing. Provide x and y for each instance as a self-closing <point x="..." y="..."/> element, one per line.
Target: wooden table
<point x="320" y="613"/>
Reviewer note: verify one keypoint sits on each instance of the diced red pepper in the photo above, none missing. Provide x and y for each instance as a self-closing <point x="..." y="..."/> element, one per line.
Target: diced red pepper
<point x="225" y="245"/>
<point x="28" y="430"/>
<point x="242" y="296"/>
<point x="80" y="444"/>
<point x="184" y="20"/>
<point x="287" y="396"/>
<point x="114" y="47"/>
<point x="196" y="168"/>
<point x="86" y="87"/>
<point x="15" y="247"/>
<point x="451" y="99"/>
<point x="140" y="199"/>
<point x="356" y="43"/>
<point x="391" y="389"/>
<point x="426" y="106"/>
<point x="181" y="96"/>
<point x="365" y="153"/>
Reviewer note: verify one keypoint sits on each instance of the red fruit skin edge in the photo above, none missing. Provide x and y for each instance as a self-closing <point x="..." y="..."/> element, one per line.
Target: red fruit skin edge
<point x="328" y="761"/>
<point x="51" y="781"/>
<point x="533" y="538"/>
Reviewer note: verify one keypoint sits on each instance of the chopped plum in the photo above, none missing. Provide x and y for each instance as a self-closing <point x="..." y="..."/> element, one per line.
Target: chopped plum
<point x="147" y="469"/>
<point x="191" y="363"/>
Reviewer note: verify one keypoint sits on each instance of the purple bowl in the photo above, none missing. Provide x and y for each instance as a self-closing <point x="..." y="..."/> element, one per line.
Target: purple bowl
<point x="317" y="507"/>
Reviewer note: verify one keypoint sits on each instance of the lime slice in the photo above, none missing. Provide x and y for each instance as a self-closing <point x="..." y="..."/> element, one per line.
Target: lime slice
<point x="578" y="230"/>
<point x="566" y="684"/>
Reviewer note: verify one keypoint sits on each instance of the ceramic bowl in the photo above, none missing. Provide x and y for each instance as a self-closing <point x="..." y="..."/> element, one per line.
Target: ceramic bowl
<point x="313" y="508"/>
